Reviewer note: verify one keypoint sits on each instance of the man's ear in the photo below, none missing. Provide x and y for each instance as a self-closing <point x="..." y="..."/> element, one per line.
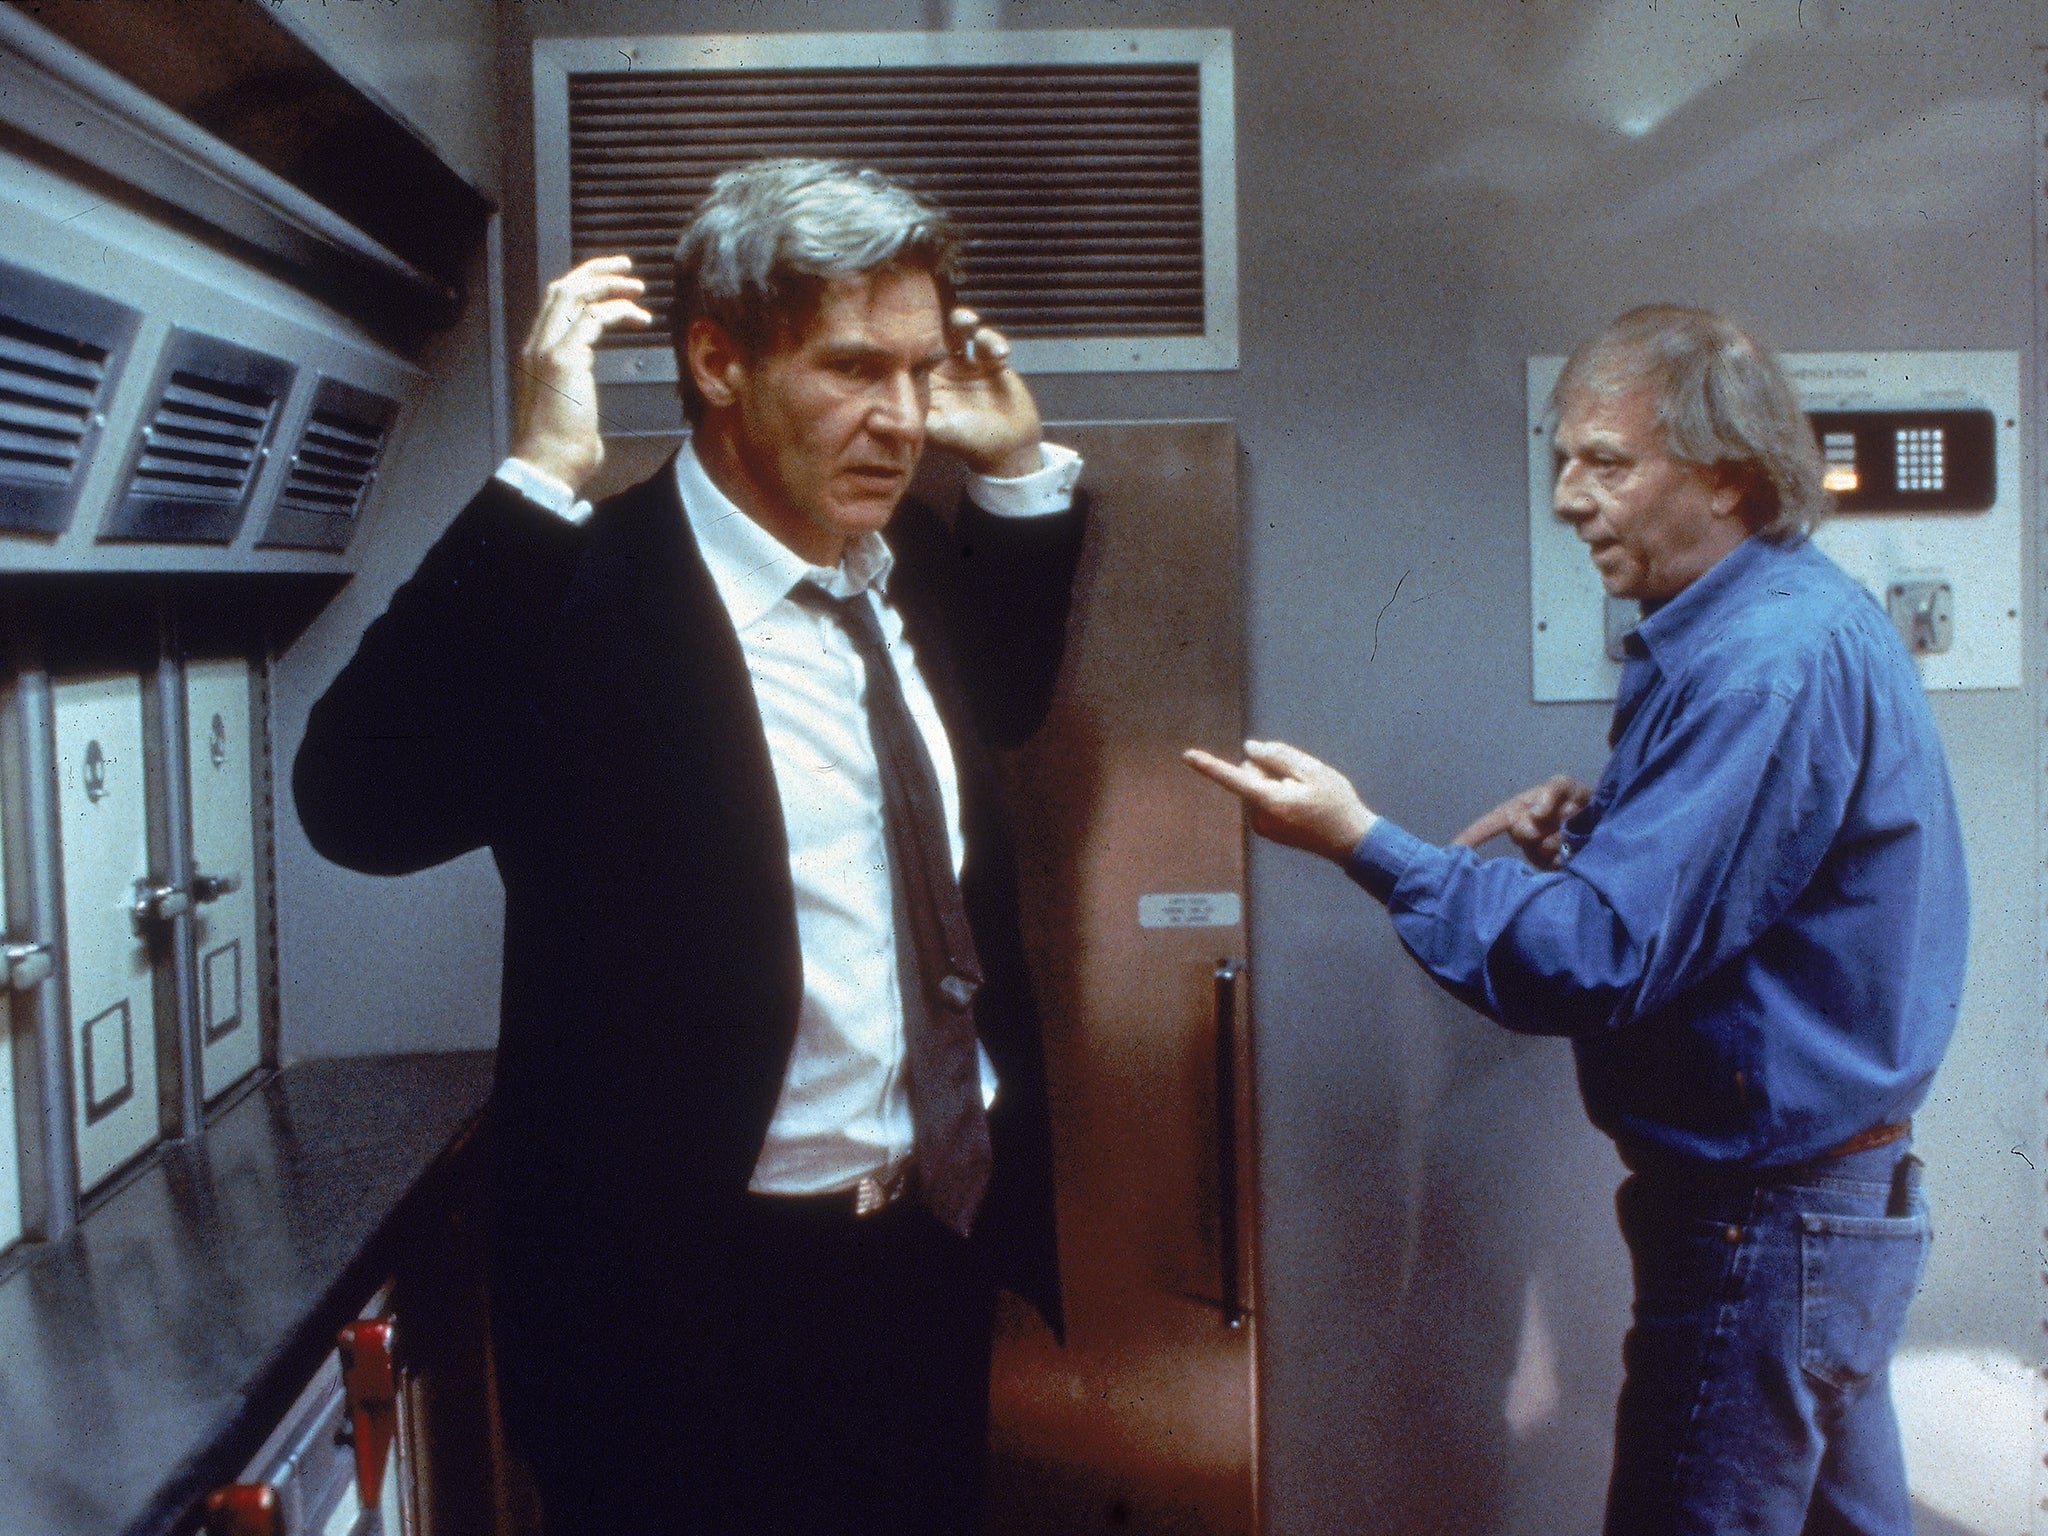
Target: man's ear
<point x="1737" y="488"/>
<point x="717" y="364"/>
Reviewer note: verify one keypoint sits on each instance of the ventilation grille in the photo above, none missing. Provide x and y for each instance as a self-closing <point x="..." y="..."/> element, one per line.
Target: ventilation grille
<point x="60" y="349"/>
<point x="1078" y="188"/>
<point x="202" y="453"/>
<point x="49" y="388"/>
<point x="336" y="461"/>
<point x="332" y="469"/>
<point x="205" y="442"/>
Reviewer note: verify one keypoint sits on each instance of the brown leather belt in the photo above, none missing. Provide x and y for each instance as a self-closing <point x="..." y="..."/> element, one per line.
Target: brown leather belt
<point x="1880" y="1135"/>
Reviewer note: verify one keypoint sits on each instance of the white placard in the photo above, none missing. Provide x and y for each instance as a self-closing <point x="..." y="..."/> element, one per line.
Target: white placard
<point x="1190" y="909"/>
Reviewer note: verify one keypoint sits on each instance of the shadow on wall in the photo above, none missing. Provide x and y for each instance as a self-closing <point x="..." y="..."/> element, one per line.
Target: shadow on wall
<point x="1499" y="1383"/>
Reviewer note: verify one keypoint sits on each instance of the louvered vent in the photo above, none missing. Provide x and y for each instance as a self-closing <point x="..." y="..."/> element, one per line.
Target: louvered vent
<point x="332" y="469"/>
<point x="205" y="442"/>
<point x="204" y="447"/>
<point x="59" y="350"/>
<point x="1089" y="211"/>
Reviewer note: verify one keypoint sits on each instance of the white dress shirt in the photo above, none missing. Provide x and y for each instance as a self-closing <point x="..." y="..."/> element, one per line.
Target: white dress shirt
<point x="844" y="1110"/>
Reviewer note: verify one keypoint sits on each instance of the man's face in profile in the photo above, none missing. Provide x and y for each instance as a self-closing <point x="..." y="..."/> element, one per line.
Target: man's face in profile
<point x="1653" y="523"/>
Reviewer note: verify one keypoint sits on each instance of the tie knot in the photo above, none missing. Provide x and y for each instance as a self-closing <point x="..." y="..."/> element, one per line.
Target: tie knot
<point x="856" y="615"/>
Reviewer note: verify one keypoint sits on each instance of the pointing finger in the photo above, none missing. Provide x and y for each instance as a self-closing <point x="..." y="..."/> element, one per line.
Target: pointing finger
<point x="1239" y="780"/>
<point x="1279" y="757"/>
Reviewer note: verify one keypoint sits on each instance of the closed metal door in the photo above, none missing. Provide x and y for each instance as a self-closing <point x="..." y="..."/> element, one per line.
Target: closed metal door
<point x="224" y="861"/>
<point x="103" y="821"/>
<point x="1133" y="879"/>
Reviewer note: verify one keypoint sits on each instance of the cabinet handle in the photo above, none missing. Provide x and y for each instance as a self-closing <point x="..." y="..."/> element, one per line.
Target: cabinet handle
<point x="370" y="1379"/>
<point x="155" y="904"/>
<point x="207" y="888"/>
<point x="244" y="1509"/>
<point x="24" y="967"/>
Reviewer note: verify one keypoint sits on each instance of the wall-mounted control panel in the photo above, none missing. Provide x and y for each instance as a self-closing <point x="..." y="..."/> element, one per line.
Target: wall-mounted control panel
<point x="1921" y="451"/>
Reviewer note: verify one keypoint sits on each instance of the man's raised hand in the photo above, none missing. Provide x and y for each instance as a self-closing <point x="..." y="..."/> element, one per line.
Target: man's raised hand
<point x="980" y="409"/>
<point x="1293" y="798"/>
<point x="555" y="425"/>
<point x="1534" y="819"/>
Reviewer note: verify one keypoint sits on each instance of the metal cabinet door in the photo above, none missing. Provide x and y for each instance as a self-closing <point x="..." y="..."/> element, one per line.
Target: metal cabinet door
<point x="10" y="1147"/>
<point x="103" y="832"/>
<point x="218" y="741"/>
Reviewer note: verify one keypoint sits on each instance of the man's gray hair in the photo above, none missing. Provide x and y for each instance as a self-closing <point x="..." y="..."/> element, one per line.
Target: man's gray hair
<point x="1722" y="403"/>
<point x="769" y="236"/>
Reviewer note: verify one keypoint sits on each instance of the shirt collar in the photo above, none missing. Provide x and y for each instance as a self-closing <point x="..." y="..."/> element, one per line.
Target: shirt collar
<point x="752" y="569"/>
<point x="1680" y="624"/>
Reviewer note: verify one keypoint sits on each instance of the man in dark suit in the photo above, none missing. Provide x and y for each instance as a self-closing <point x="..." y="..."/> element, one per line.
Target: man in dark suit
<point x="770" y="1117"/>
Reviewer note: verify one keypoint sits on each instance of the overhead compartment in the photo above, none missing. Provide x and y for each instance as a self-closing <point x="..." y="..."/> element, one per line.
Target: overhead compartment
<point x="188" y="411"/>
<point x="204" y="342"/>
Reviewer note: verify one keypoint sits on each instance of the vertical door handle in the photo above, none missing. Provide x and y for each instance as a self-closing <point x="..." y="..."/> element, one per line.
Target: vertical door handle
<point x="371" y="1381"/>
<point x="1231" y="1288"/>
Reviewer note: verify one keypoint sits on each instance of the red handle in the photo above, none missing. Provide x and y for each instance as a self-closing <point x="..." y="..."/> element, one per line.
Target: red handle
<point x="244" y="1509"/>
<point x="370" y="1379"/>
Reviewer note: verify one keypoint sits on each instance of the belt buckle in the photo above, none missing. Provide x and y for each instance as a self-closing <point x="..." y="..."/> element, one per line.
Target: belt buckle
<point x="881" y="1189"/>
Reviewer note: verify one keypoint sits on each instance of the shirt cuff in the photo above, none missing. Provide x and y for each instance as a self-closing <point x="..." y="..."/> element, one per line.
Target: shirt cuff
<point x="1383" y="856"/>
<point x="1046" y="490"/>
<point x="543" y="490"/>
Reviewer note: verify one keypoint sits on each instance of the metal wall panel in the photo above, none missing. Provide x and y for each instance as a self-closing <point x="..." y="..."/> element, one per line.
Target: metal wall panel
<point x="10" y="1148"/>
<point x="224" y="932"/>
<point x="104" y="832"/>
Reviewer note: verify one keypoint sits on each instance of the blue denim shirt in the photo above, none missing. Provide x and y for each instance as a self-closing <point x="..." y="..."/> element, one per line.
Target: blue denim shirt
<point x="1756" y="938"/>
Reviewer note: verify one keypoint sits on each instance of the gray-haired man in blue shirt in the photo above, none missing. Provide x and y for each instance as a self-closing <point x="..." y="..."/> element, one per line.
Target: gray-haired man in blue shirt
<point x="1752" y="929"/>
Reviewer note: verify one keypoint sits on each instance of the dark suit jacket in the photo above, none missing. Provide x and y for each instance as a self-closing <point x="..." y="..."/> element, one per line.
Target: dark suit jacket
<point x="575" y="699"/>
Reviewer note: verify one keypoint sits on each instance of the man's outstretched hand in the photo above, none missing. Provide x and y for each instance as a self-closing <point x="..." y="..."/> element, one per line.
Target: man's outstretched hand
<point x="1293" y="798"/>
<point x="554" y="398"/>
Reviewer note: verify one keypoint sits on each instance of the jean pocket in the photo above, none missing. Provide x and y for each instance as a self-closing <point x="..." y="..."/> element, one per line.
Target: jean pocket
<point x="1857" y="1279"/>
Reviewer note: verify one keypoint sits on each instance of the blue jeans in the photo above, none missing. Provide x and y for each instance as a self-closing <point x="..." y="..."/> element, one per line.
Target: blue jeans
<point x="1757" y="1394"/>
